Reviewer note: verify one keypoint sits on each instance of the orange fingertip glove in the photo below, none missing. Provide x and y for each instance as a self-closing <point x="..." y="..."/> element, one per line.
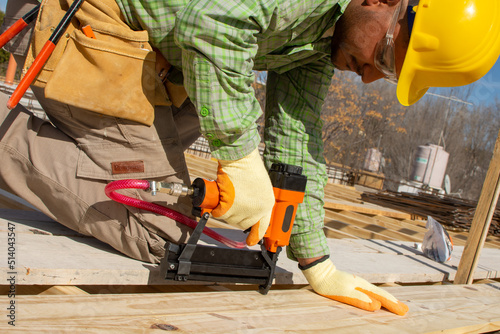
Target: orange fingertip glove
<point x="329" y="282"/>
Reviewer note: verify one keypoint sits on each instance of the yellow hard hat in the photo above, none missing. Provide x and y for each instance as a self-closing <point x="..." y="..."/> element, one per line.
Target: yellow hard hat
<point x="452" y="43"/>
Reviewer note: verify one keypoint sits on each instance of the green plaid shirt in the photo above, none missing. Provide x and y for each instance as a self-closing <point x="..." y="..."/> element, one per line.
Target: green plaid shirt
<point x="217" y="44"/>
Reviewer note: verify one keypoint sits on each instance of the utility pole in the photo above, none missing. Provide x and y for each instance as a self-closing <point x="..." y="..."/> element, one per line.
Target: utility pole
<point x="445" y="123"/>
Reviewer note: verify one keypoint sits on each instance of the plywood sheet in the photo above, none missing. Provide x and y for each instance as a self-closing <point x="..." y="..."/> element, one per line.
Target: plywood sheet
<point x="49" y="254"/>
<point x="447" y="309"/>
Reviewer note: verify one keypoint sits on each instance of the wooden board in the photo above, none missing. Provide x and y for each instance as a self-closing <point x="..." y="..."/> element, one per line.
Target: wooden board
<point x="9" y="201"/>
<point x="444" y="309"/>
<point x="341" y="192"/>
<point x="371" y="180"/>
<point x="50" y="254"/>
<point x="374" y="231"/>
<point x="367" y="208"/>
<point x="482" y="218"/>
<point x="386" y="228"/>
<point x="199" y="167"/>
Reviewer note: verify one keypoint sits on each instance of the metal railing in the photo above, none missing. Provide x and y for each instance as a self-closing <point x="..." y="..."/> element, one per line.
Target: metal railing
<point x="336" y="175"/>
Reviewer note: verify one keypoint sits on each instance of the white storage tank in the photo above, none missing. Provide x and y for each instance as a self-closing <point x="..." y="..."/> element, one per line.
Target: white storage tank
<point x="436" y="168"/>
<point x="430" y="165"/>
<point x="420" y="163"/>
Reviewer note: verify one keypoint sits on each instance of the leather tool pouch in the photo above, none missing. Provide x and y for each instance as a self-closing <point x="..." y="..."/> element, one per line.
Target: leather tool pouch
<point x="113" y="74"/>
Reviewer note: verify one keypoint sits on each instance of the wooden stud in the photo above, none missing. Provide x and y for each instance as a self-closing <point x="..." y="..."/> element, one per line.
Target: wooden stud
<point x="482" y="219"/>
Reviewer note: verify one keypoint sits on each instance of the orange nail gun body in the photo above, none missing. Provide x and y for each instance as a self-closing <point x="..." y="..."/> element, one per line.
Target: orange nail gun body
<point x="198" y="262"/>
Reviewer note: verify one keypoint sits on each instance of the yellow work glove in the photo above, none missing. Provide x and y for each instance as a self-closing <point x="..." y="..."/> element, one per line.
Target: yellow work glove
<point x="246" y="197"/>
<point x="349" y="289"/>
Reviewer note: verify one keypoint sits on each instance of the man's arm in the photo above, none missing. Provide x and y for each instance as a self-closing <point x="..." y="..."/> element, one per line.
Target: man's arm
<point x="219" y="42"/>
<point x="293" y="135"/>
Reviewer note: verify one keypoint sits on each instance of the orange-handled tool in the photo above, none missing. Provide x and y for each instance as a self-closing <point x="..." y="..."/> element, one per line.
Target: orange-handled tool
<point x="43" y="55"/>
<point x="192" y="261"/>
<point x="19" y="25"/>
<point x="288" y="185"/>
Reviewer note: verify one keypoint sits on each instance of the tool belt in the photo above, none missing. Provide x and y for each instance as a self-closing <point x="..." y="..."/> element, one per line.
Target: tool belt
<point x="112" y="74"/>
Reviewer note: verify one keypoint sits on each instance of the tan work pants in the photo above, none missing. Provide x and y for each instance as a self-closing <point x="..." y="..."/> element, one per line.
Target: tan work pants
<point x="62" y="167"/>
<point x="61" y="170"/>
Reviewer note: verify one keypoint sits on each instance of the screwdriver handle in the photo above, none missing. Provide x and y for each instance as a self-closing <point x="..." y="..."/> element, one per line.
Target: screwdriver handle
<point x="18" y="26"/>
<point x="44" y="54"/>
<point x="28" y="78"/>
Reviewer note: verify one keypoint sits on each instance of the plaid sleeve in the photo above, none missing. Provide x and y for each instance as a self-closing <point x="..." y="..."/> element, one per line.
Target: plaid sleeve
<point x="219" y="43"/>
<point x="293" y="135"/>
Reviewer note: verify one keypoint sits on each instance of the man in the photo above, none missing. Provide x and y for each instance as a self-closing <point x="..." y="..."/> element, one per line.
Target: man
<point x="212" y="49"/>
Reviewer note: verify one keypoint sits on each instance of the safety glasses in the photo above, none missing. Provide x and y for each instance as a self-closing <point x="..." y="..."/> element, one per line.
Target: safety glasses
<point x="385" y="55"/>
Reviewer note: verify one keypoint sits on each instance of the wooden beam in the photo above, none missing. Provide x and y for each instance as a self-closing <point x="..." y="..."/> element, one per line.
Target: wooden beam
<point x="372" y="224"/>
<point x="51" y="254"/>
<point x="365" y="208"/>
<point x="482" y="219"/>
<point x="443" y="308"/>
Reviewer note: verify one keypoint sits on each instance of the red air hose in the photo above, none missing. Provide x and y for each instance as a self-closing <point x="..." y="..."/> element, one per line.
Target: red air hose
<point x="112" y="187"/>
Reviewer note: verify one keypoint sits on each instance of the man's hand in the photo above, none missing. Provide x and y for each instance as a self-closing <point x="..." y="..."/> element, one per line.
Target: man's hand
<point x="349" y="289"/>
<point x="246" y="195"/>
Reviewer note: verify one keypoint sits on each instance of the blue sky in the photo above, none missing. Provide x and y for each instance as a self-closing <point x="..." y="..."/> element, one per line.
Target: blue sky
<point x="486" y="90"/>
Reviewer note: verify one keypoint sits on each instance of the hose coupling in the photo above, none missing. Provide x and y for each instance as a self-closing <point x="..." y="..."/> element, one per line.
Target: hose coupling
<point x="170" y="188"/>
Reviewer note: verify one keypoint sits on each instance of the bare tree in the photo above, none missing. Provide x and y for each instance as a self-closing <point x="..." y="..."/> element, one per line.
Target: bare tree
<point x="358" y="117"/>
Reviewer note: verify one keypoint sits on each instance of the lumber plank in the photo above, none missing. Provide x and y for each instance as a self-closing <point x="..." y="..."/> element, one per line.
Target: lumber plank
<point x="363" y="227"/>
<point x="48" y="259"/>
<point x="409" y="227"/>
<point x="417" y="229"/>
<point x="34" y="222"/>
<point x="366" y="208"/>
<point x="340" y="192"/>
<point x="359" y="232"/>
<point x="482" y="218"/>
<point x="368" y="223"/>
<point x="337" y="234"/>
<point x="444" y="308"/>
<point x="453" y="213"/>
<point x="199" y="167"/>
<point x="492" y="242"/>
<point x="9" y="201"/>
<point x="491" y="328"/>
